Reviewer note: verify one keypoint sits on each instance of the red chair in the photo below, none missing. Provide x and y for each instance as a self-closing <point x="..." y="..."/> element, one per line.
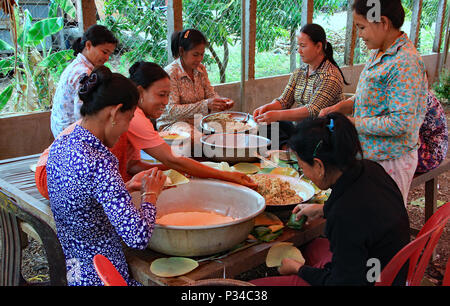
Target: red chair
<point x="418" y="251"/>
<point x="446" y="280"/>
<point x="107" y="272"/>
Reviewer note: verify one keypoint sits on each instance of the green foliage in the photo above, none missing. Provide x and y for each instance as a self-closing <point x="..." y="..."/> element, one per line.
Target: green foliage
<point x="442" y="87"/>
<point x="35" y="72"/>
<point x="141" y="31"/>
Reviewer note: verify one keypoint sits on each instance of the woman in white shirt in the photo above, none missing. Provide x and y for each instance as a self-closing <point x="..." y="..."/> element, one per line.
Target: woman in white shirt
<point x="91" y="50"/>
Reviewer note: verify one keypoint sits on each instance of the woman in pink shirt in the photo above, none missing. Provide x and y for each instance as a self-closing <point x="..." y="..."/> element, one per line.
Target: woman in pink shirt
<point x="154" y="86"/>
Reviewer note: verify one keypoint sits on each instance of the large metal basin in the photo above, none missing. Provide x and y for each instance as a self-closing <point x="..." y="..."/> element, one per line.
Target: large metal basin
<point x="234" y="200"/>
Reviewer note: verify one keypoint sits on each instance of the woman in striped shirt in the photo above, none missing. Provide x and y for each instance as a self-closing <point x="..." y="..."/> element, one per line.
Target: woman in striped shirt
<point x="315" y="86"/>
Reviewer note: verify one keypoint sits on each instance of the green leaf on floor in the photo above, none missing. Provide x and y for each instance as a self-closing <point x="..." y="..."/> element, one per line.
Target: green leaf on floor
<point x="421" y="202"/>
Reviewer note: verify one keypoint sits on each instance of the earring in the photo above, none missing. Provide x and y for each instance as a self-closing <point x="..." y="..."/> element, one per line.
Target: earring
<point x="113" y="123"/>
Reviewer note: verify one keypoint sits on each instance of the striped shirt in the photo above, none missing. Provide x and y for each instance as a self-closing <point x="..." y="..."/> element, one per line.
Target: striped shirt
<point x="322" y="88"/>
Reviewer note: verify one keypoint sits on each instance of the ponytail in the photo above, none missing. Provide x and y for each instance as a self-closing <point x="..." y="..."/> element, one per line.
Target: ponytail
<point x="333" y="139"/>
<point x="317" y="34"/>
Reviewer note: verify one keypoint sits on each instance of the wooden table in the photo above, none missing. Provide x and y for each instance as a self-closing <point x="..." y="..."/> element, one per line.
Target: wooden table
<point x="228" y="267"/>
<point x="22" y="204"/>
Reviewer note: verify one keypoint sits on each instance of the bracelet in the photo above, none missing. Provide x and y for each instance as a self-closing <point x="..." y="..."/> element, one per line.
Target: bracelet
<point x="147" y="193"/>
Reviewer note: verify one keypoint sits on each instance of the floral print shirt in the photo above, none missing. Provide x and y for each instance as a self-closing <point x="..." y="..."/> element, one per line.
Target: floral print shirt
<point x="321" y="89"/>
<point x="187" y="97"/>
<point x="92" y="209"/>
<point x="66" y="102"/>
<point x="390" y="101"/>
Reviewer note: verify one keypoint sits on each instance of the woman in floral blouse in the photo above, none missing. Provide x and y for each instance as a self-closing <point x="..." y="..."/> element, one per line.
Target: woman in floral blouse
<point x="91" y="50"/>
<point x="191" y="92"/>
<point x="90" y="202"/>
<point x="390" y="100"/>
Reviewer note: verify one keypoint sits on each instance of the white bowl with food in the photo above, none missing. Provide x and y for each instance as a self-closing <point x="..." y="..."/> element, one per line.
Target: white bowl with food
<point x="228" y="122"/>
<point x="175" y="138"/>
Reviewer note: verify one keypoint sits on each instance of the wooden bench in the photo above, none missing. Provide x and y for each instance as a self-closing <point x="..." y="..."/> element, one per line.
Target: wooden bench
<point x="430" y="179"/>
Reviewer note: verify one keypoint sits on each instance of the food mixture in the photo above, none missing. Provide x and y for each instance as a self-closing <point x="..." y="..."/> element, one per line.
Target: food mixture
<point x="193" y="218"/>
<point x="275" y="190"/>
<point x="228" y="123"/>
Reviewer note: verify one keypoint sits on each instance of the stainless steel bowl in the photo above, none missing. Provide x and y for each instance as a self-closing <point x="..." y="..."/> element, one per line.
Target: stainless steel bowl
<point x="239" y="202"/>
<point x="210" y="127"/>
<point x="234" y="148"/>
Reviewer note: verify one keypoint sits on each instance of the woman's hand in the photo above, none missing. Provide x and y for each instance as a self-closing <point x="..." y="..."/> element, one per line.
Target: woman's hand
<point x="312" y="211"/>
<point x="135" y="183"/>
<point x="241" y="178"/>
<point x="219" y="104"/>
<point x="269" y="117"/>
<point x="152" y="185"/>
<point x="289" y="266"/>
<point x="327" y="110"/>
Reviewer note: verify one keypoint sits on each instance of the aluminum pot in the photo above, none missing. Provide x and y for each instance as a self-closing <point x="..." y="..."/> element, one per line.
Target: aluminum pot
<point x="239" y="202"/>
<point x="234" y="148"/>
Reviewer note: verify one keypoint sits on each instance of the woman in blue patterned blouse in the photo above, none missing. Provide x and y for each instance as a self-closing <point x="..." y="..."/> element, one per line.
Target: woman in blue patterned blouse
<point x="91" y="204"/>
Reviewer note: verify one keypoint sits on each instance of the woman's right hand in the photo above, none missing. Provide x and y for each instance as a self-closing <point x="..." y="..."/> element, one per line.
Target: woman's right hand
<point x="218" y="104"/>
<point x="152" y="185"/>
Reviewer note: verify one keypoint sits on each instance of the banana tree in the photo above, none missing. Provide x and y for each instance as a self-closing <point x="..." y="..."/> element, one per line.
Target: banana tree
<point x="36" y="67"/>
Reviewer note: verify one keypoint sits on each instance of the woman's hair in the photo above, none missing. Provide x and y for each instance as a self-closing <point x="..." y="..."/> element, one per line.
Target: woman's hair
<point x="102" y="88"/>
<point x="333" y="139"/>
<point x="146" y="73"/>
<point x="317" y="34"/>
<point x="392" y="9"/>
<point x="187" y="39"/>
<point x="97" y="35"/>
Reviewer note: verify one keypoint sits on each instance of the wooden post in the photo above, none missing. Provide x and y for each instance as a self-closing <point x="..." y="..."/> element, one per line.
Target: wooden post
<point x="293" y="49"/>
<point x="307" y="14"/>
<point x="443" y="59"/>
<point x="439" y="26"/>
<point x="350" y="36"/>
<point x="174" y="22"/>
<point x="250" y="39"/>
<point x="88" y="13"/>
<point x="307" y="11"/>
<point x="415" y="21"/>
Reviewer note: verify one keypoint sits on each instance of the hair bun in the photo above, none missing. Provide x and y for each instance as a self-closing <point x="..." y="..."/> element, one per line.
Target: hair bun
<point x="132" y="70"/>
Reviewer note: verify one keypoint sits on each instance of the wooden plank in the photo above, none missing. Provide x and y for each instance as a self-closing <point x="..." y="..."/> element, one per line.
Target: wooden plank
<point x="89" y="13"/>
<point x="250" y="40"/>
<point x="415" y="21"/>
<point x="229" y="267"/>
<point x="174" y="22"/>
<point x="439" y="25"/>
<point x="350" y="36"/>
<point x="307" y="11"/>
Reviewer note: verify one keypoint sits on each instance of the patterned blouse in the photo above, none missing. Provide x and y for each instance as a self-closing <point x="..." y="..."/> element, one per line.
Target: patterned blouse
<point x="66" y="103"/>
<point x="321" y="89"/>
<point x="390" y="101"/>
<point x="92" y="208"/>
<point x="187" y="97"/>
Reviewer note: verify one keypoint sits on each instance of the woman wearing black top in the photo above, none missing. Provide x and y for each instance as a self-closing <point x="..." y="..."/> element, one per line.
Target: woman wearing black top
<point x="366" y="220"/>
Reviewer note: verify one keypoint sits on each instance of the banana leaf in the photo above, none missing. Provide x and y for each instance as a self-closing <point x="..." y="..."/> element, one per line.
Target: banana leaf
<point x="5" y="46"/>
<point x="6" y="65"/>
<point x="56" y="59"/>
<point x="43" y="28"/>
<point x="68" y="7"/>
<point x="5" y="96"/>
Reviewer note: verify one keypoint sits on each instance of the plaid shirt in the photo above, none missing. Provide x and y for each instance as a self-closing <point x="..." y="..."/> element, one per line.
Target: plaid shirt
<point x="322" y="88"/>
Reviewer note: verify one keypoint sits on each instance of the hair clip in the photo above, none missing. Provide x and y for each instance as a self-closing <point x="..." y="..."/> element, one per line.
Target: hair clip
<point x="331" y="125"/>
<point x="317" y="148"/>
<point x="88" y="82"/>
<point x="186" y="34"/>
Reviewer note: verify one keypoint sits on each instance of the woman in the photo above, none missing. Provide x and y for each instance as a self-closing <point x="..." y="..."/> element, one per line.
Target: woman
<point x="315" y="86"/>
<point x="366" y="220"/>
<point x="390" y="100"/>
<point x="92" y="207"/>
<point x="91" y="50"/>
<point x="191" y="92"/>
<point x="154" y="86"/>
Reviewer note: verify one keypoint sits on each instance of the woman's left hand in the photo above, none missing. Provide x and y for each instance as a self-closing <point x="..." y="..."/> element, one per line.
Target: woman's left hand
<point x="289" y="266"/>
<point x="135" y="183"/>
<point x="269" y="117"/>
